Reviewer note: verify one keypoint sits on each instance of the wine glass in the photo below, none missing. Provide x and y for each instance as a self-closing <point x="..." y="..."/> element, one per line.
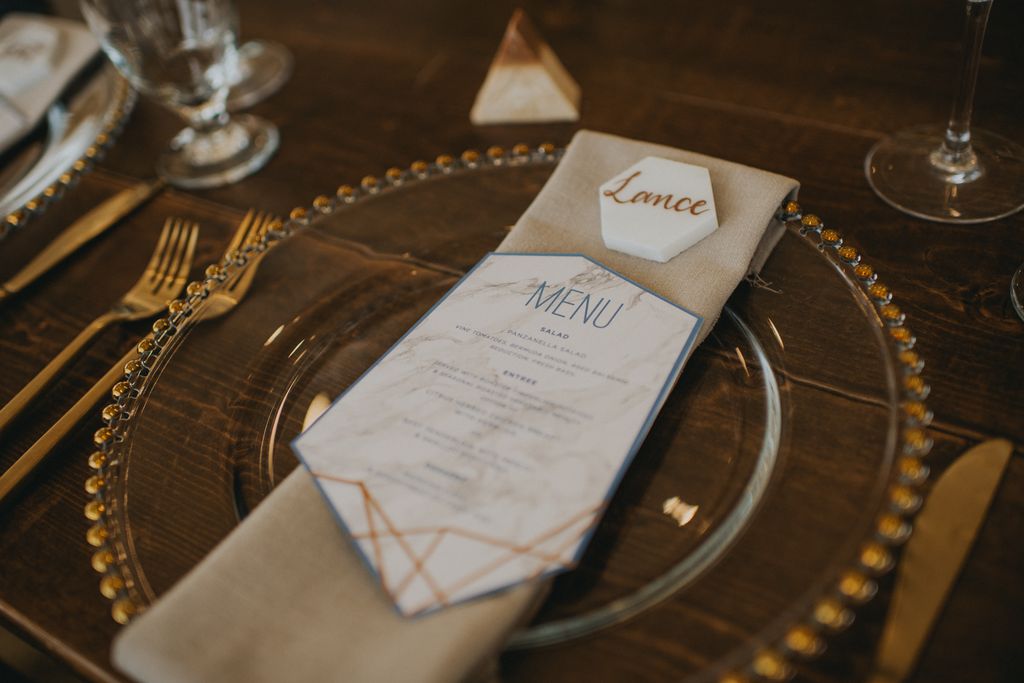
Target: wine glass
<point x="955" y="175"/>
<point x="178" y="52"/>
<point x="1017" y="291"/>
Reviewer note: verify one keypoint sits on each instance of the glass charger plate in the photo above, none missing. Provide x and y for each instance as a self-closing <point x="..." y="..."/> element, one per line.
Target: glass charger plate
<point x="770" y="491"/>
<point x="74" y="133"/>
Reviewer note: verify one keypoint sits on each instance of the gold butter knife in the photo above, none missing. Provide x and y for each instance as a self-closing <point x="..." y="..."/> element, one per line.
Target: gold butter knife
<point x="943" y="533"/>
<point x="89" y="226"/>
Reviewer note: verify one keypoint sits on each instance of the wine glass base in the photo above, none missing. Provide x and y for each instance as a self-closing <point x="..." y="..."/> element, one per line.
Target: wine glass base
<point x="899" y="169"/>
<point x="263" y="67"/>
<point x="1017" y="292"/>
<point x="193" y="163"/>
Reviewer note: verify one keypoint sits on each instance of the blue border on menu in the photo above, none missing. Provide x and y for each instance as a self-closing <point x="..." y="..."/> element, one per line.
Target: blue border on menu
<point x="642" y="433"/>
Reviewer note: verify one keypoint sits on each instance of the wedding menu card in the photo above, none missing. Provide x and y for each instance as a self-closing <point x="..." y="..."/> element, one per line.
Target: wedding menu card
<point x="481" y="449"/>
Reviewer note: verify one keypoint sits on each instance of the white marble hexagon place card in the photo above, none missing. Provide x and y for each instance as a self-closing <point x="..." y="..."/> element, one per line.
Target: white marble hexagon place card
<point x="657" y="208"/>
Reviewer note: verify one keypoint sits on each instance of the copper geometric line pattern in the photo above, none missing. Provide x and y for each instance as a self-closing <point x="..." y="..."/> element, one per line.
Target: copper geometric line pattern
<point x="376" y="545"/>
<point x="498" y="562"/>
<point x="403" y="544"/>
<point x="417" y="567"/>
<point x="418" y="561"/>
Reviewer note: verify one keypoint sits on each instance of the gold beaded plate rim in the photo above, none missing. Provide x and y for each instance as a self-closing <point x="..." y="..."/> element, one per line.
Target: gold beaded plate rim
<point x="111" y="123"/>
<point x="803" y="637"/>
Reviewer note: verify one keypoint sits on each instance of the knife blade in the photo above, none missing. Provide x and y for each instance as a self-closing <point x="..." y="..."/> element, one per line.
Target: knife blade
<point x="944" y="532"/>
<point x="89" y="226"/>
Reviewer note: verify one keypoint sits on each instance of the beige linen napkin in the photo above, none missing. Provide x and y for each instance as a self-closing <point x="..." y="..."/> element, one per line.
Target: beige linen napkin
<point x="39" y="55"/>
<point x="286" y="598"/>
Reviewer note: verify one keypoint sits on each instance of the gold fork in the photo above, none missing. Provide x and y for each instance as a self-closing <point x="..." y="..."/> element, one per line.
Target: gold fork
<point x="161" y="281"/>
<point x="219" y="302"/>
<point x="226" y="297"/>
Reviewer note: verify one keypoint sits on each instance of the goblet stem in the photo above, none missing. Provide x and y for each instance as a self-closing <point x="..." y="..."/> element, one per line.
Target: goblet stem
<point x="952" y="173"/>
<point x="178" y="52"/>
<point x="211" y="136"/>
<point x="216" y="148"/>
<point x="208" y="116"/>
<point x="955" y="156"/>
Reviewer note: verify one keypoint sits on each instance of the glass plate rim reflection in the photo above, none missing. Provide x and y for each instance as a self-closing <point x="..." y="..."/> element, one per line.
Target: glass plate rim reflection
<point x="705" y="554"/>
<point x="854" y="584"/>
<point x="68" y="152"/>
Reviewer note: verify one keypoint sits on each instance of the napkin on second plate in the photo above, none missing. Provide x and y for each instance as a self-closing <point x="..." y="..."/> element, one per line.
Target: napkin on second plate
<point x="39" y="55"/>
<point x="286" y="597"/>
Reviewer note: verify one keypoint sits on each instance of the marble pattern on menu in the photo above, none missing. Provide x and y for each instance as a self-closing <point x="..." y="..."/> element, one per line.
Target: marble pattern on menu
<point x="481" y="449"/>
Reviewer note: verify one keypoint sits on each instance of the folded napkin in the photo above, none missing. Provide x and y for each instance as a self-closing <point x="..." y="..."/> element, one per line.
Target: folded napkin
<point x="39" y="55"/>
<point x="566" y="217"/>
<point x="286" y="597"/>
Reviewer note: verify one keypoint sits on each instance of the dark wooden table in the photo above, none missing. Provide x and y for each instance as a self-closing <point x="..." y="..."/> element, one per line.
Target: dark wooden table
<point x="800" y="87"/>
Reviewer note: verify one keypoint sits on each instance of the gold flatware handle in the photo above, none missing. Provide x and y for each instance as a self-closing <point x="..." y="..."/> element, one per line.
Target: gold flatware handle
<point x="220" y="303"/>
<point x="163" y="279"/>
<point x="16" y="406"/>
<point x="944" y="532"/>
<point x="18" y="473"/>
<point x="91" y="225"/>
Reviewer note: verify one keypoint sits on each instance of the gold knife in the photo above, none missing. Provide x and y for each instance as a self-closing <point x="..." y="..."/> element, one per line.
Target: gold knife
<point x="91" y="225"/>
<point x="943" y="533"/>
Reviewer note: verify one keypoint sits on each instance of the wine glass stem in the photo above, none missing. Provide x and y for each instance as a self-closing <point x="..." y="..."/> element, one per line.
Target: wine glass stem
<point x="956" y="154"/>
<point x="213" y="137"/>
<point x="209" y="116"/>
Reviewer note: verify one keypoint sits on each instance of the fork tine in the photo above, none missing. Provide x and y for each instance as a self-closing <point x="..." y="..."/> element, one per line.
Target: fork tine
<point x="254" y="229"/>
<point x="171" y="253"/>
<point x="260" y="226"/>
<point x="161" y="244"/>
<point x="160" y="266"/>
<point x="269" y="220"/>
<point x="174" y="279"/>
<point x="240" y="284"/>
<point x="241" y="231"/>
<point x="170" y="266"/>
<point x="186" y="262"/>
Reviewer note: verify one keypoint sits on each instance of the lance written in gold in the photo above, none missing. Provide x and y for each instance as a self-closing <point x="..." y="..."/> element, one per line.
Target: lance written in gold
<point x="668" y="202"/>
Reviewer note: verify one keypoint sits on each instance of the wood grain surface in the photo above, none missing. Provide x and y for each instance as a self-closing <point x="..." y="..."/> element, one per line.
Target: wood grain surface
<point x="798" y="87"/>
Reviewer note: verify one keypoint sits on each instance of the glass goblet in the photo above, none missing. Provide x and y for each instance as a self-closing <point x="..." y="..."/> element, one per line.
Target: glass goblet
<point x="955" y="174"/>
<point x="178" y="53"/>
<point x="1017" y="291"/>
